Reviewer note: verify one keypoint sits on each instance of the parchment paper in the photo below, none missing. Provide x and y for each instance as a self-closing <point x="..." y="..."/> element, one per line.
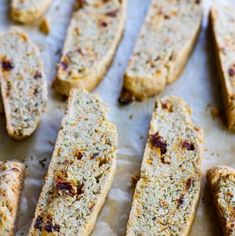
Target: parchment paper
<point x="198" y="85"/>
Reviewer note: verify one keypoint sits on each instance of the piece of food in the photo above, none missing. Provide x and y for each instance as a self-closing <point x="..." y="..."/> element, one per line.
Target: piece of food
<point x="221" y="180"/>
<point x="166" y="196"/>
<point x="11" y="183"/>
<point x="28" y="11"/>
<point x="23" y="83"/>
<point x="92" y="38"/>
<point x="45" y="26"/>
<point x="81" y="170"/>
<point x="222" y="21"/>
<point x="163" y="47"/>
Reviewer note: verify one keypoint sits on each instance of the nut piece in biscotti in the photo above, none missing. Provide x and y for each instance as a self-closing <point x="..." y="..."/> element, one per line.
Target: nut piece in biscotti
<point x="221" y="180"/>
<point x="23" y="83"/>
<point x="166" y="196"/>
<point x="11" y="183"/>
<point x="222" y="21"/>
<point x="28" y="11"/>
<point x="163" y="47"/>
<point x="81" y="170"/>
<point x="92" y="38"/>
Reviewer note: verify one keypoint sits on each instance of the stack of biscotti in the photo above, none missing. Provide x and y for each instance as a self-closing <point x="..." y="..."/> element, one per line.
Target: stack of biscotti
<point x="222" y="20"/>
<point x="81" y="170"/>
<point x="28" y="11"/>
<point x="23" y="83"/>
<point x="92" y="38"/>
<point x="11" y="183"/>
<point x="163" y="47"/>
<point x="167" y="193"/>
<point x="221" y="180"/>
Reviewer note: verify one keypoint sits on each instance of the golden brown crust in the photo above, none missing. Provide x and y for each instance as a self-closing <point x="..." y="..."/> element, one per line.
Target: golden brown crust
<point x="222" y="29"/>
<point x="221" y="181"/>
<point x="11" y="183"/>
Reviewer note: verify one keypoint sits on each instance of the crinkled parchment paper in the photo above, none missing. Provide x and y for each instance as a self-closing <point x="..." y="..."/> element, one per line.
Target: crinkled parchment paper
<point x="198" y="85"/>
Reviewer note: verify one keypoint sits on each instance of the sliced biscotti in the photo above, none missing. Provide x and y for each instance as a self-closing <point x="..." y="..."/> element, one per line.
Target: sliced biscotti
<point x="81" y="170"/>
<point x="23" y="83"/>
<point x="28" y="11"/>
<point x="166" y="196"/>
<point x="92" y="38"/>
<point x="11" y="183"/>
<point x="221" y="180"/>
<point x="222" y="21"/>
<point x="163" y="47"/>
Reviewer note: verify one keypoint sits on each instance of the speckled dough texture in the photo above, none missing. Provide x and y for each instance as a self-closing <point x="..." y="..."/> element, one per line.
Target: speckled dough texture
<point x="11" y="183"/>
<point x="28" y="11"/>
<point x="198" y="85"/>
<point x="167" y="194"/>
<point x="92" y="38"/>
<point x="23" y="83"/>
<point x="81" y="170"/>
<point x="163" y="47"/>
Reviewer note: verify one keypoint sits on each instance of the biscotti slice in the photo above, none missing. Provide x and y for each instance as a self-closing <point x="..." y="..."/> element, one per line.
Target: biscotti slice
<point x="222" y="21"/>
<point x="163" y="47"/>
<point x="23" y="83"/>
<point x="81" y="170"/>
<point x="166" y="196"/>
<point x="221" y="180"/>
<point x="11" y="183"/>
<point x="28" y="11"/>
<point x="92" y="38"/>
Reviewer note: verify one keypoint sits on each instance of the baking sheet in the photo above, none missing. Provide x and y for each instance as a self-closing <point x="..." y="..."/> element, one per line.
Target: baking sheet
<point x="198" y="85"/>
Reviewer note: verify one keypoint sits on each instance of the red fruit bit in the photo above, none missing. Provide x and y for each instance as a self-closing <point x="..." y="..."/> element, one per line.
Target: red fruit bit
<point x="49" y="227"/>
<point x="180" y="201"/>
<point x="189" y="183"/>
<point x="64" y="65"/>
<point x="66" y="188"/>
<point x="197" y="1"/>
<point x="38" y="223"/>
<point x="158" y="142"/>
<point x="231" y="72"/>
<point x="112" y="13"/>
<point x="188" y="146"/>
<point x="78" y="155"/>
<point x="7" y="65"/>
<point x="37" y="75"/>
<point x="103" y="24"/>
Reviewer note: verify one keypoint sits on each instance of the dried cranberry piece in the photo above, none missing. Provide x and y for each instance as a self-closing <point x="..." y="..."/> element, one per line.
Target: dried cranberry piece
<point x="112" y="13"/>
<point x="188" y="146"/>
<point x="189" y="183"/>
<point x="65" y="187"/>
<point x="37" y="75"/>
<point x="78" y="155"/>
<point x="64" y="65"/>
<point x="49" y="227"/>
<point x="180" y="200"/>
<point x="103" y="24"/>
<point x="38" y="223"/>
<point x="159" y="142"/>
<point x="7" y="65"/>
<point x="231" y="72"/>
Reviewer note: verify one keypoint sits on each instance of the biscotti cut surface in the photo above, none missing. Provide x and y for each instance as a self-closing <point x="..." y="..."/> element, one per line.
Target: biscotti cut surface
<point x="81" y="170"/>
<point x="23" y="83"/>
<point x="92" y="38"/>
<point x="221" y="180"/>
<point x="222" y="21"/>
<point x="163" y="47"/>
<point x="11" y="183"/>
<point x="28" y="11"/>
<point x="167" y="193"/>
